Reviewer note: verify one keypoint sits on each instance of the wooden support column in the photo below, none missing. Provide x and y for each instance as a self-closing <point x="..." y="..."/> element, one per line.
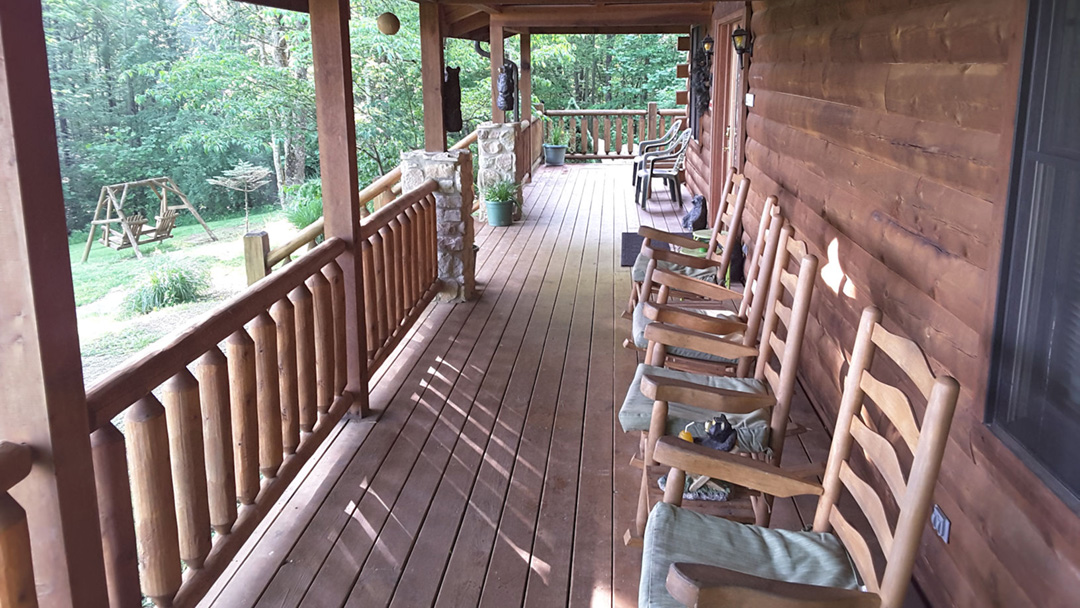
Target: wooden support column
<point x="431" y="71"/>
<point x="43" y="403"/>
<point x="525" y="83"/>
<point x="496" y="30"/>
<point x="340" y="183"/>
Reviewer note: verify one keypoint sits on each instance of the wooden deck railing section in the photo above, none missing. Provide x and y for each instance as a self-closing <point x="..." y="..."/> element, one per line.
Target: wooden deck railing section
<point x="528" y="148"/>
<point x="260" y="259"/>
<point x="205" y="430"/>
<point x="16" y="565"/>
<point x="598" y="134"/>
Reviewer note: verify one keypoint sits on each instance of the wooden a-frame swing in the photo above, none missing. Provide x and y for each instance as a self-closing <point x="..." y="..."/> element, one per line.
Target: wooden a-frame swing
<point x="132" y="230"/>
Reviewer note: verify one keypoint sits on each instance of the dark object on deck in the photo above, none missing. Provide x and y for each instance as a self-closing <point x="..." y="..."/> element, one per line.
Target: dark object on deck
<point x="721" y="435"/>
<point x="631" y="246"/>
<point x="507" y="86"/>
<point x="737" y="266"/>
<point x="697" y="218"/>
<point x="451" y="99"/>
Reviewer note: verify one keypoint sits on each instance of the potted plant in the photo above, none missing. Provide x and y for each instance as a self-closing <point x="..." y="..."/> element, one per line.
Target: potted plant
<point x="555" y="152"/>
<point x="502" y="203"/>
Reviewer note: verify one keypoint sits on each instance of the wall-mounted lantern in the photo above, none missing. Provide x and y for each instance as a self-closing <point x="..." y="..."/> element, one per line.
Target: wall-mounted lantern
<point x="743" y="42"/>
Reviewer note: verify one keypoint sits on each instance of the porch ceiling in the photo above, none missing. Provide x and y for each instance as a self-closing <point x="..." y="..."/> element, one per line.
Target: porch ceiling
<point x="471" y="19"/>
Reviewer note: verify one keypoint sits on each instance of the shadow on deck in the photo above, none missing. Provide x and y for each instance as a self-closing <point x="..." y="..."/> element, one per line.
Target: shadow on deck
<point x="494" y="472"/>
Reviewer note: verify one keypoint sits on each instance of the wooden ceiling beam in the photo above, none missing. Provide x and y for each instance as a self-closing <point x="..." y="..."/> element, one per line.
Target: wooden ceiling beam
<point x="467" y="27"/>
<point x="285" y="5"/>
<point x="632" y="29"/>
<point x="640" y="15"/>
<point x="554" y="3"/>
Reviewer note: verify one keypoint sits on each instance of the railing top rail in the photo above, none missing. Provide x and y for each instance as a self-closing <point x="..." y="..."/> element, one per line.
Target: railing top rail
<point x="598" y="112"/>
<point x="372" y="223"/>
<point x="374" y="189"/>
<point x="156" y="364"/>
<point x="15" y="463"/>
<point x="673" y="112"/>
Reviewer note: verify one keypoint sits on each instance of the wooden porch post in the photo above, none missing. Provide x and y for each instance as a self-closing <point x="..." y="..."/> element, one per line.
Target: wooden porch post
<point x="431" y="70"/>
<point x="496" y="31"/>
<point x="337" y="163"/>
<point x="526" y="75"/>
<point x="43" y="403"/>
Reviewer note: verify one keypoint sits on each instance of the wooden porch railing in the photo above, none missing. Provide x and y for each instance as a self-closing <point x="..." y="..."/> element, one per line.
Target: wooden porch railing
<point x="598" y="134"/>
<point x="16" y="565"/>
<point x="528" y="148"/>
<point x="260" y="259"/>
<point x="237" y="426"/>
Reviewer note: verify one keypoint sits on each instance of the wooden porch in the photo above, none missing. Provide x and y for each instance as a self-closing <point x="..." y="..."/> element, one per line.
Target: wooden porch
<point x="493" y="472"/>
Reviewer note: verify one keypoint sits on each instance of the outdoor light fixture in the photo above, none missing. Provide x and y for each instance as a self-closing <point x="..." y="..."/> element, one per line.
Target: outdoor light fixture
<point x="743" y="43"/>
<point x="707" y="44"/>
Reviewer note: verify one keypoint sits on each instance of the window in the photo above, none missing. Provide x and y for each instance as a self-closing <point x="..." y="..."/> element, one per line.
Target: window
<point x="1034" y="400"/>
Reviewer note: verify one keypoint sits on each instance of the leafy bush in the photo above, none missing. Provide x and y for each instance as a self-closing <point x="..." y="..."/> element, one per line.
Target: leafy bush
<point x="166" y="283"/>
<point x="306" y="205"/>
<point x="558" y="135"/>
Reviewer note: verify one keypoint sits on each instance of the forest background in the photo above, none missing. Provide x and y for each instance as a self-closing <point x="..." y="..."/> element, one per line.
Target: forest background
<point x="190" y="88"/>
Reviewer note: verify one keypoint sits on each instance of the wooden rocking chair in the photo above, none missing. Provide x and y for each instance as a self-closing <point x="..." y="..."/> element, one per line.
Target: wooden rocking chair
<point x="696" y="560"/>
<point x="727" y="224"/>
<point x="662" y="401"/>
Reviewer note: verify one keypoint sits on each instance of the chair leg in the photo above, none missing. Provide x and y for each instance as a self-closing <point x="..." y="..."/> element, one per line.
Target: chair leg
<point x="678" y="190"/>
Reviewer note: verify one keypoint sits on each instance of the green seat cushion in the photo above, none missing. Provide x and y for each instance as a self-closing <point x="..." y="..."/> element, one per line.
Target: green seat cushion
<point x="641" y="264"/>
<point x="677" y="535"/>
<point x="752" y="429"/>
<point x="640" y="322"/>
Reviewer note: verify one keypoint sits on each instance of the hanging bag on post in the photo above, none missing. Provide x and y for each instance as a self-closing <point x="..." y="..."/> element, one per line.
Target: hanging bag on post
<point x="507" y="86"/>
<point x="451" y="100"/>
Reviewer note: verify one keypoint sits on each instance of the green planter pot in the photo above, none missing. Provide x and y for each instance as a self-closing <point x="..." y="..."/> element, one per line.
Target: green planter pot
<point x="554" y="155"/>
<point x="500" y="213"/>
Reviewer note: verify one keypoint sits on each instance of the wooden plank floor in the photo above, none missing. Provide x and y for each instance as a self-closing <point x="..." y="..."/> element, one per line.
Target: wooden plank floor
<point x="493" y="471"/>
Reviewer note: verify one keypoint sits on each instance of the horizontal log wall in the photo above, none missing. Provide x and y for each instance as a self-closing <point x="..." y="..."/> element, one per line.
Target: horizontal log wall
<point x="885" y="129"/>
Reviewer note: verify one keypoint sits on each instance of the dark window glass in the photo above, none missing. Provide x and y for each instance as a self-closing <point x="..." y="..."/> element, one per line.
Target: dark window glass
<point x="1035" y="397"/>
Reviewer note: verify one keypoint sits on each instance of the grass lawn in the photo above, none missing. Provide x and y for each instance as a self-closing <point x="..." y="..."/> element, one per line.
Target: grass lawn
<point x="108" y="336"/>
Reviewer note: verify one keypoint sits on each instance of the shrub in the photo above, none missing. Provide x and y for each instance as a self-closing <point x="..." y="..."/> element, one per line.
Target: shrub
<point x="306" y="205"/>
<point x="502" y="192"/>
<point x="165" y="284"/>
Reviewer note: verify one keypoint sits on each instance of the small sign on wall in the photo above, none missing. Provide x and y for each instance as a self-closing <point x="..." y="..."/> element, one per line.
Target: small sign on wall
<point x="749" y="100"/>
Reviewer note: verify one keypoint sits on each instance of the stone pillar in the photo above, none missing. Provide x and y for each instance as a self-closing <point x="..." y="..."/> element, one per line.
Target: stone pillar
<point x="498" y="162"/>
<point x="453" y="212"/>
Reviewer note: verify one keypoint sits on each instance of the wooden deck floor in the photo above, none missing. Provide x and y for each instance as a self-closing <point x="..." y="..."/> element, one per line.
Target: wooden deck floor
<point x="494" y="472"/>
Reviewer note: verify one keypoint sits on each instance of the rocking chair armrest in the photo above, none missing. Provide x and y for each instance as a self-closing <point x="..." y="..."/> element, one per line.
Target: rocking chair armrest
<point x="690" y="285"/>
<point x="666" y="255"/>
<point x="720" y="400"/>
<point x="732" y="468"/>
<point x="691" y="319"/>
<point x="707" y="586"/>
<point x="674" y="335"/>
<point x="668" y="237"/>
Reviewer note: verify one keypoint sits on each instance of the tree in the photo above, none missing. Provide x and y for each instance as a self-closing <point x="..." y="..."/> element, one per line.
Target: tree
<point x="246" y="178"/>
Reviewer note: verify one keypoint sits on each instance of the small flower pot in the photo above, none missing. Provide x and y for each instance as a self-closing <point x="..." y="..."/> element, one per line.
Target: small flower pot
<point x="500" y="213"/>
<point x="554" y="155"/>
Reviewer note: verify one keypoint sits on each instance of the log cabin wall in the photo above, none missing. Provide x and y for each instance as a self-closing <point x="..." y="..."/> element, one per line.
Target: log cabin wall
<point x="885" y="127"/>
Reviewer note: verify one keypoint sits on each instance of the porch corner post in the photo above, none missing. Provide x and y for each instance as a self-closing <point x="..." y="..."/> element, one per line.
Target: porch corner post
<point x="454" y="231"/>
<point x="340" y="182"/>
<point x="525" y="85"/>
<point x="496" y="37"/>
<point x="431" y="71"/>
<point x="43" y="404"/>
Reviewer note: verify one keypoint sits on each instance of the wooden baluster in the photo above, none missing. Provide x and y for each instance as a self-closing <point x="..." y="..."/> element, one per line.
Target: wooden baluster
<point x="596" y="136"/>
<point x="562" y="125"/>
<point x="306" y="378"/>
<point x="432" y="272"/>
<point x="618" y="136"/>
<point x="212" y="372"/>
<point x="17" y="572"/>
<point x="389" y="269"/>
<point x="572" y="132"/>
<point x="147" y="438"/>
<point x="408" y="254"/>
<point x="117" y="521"/>
<point x="245" y="421"/>
<point x="333" y="273"/>
<point x="264" y="331"/>
<point x="371" y="314"/>
<point x="283" y="313"/>
<point x="324" y="341"/>
<point x="379" y="275"/>
<point x="180" y="395"/>
<point x="630" y="122"/>
<point x="397" y="263"/>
